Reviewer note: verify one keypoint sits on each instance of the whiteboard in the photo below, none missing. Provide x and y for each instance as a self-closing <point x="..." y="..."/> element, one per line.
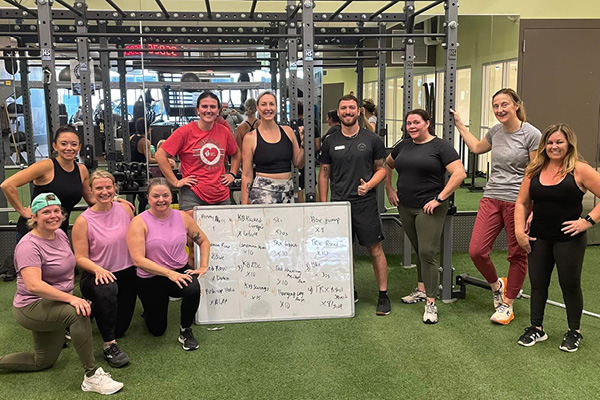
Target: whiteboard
<point x="276" y="262"/>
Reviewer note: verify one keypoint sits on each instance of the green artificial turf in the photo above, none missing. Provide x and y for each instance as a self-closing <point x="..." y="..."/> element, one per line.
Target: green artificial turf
<point x="464" y="356"/>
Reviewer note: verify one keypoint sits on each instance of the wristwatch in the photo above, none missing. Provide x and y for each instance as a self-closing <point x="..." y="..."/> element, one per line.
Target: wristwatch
<point x="589" y="219"/>
<point x="437" y="198"/>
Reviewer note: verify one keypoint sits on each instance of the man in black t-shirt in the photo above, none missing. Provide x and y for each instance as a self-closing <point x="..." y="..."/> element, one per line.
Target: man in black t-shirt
<point x="353" y="159"/>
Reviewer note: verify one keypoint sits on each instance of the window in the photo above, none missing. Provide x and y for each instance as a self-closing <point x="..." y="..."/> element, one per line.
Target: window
<point x="498" y="75"/>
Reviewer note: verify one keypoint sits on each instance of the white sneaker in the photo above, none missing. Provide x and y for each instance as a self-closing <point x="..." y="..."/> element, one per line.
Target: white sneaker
<point x="503" y="315"/>
<point x="100" y="382"/>
<point x="430" y="316"/>
<point x="499" y="294"/>
<point x="415" y="297"/>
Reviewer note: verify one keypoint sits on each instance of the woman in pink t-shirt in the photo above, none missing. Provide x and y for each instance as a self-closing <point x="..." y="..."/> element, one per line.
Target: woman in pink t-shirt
<point x="108" y="280"/>
<point x="156" y="240"/>
<point x="44" y="302"/>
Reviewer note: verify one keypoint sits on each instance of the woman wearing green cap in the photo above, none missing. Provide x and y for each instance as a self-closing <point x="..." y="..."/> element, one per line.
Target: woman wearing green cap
<point x="44" y="301"/>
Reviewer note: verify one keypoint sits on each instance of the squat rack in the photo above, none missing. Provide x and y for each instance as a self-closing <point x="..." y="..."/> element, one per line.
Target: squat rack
<point x="288" y="34"/>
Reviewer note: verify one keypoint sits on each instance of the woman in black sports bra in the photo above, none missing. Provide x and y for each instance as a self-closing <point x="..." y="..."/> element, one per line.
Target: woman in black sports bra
<point x="556" y="181"/>
<point x="271" y="149"/>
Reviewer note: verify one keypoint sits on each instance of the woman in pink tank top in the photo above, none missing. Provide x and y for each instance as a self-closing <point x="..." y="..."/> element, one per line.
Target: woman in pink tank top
<point x="108" y="280"/>
<point x="156" y="240"/>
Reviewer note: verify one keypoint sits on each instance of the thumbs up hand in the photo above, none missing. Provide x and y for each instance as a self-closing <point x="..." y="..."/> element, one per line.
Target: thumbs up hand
<point x="363" y="188"/>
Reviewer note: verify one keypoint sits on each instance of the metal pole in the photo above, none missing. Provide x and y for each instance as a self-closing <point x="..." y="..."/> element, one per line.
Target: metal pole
<point x="48" y="67"/>
<point x="360" y="74"/>
<point x="309" y="101"/>
<point x="124" y="112"/>
<point x="380" y="126"/>
<point x="83" y="57"/>
<point x="282" y="66"/>
<point x="407" y="97"/>
<point x="27" y="117"/>
<point x="109" y="128"/>
<point x="450" y="47"/>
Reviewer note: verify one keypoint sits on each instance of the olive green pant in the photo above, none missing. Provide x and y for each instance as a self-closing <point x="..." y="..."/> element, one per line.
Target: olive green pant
<point x="48" y="319"/>
<point x="424" y="232"/>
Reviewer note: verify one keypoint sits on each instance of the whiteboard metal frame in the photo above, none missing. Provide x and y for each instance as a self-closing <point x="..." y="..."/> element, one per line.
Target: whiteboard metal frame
<point x="287" y="205"/>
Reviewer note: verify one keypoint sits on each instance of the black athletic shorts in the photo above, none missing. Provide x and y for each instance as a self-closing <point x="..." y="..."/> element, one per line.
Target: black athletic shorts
<point x="366" y="222"/>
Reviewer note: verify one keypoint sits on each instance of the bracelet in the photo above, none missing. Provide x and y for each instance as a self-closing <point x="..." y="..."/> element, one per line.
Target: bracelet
<point x="589" y="219"/>
<point x="437" y="198"/>
<point x="232" y="174"/>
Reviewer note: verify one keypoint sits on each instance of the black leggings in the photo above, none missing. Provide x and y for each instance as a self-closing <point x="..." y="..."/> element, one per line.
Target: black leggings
<point x="154" y="293"/>
<point x="113" y="304"/>
<point x="568" y="257"/>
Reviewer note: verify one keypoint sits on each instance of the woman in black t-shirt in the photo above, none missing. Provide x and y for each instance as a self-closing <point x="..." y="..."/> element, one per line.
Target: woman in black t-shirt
<point x="556" y="181"/>
<point x="422" y="162"/>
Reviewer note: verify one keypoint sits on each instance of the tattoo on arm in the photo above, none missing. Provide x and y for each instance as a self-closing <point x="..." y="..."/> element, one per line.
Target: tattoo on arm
<point x="196" y="236"/>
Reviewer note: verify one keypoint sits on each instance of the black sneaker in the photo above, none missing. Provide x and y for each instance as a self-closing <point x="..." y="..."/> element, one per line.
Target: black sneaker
<point x="531" y="336"/>
<point x="571" y="341"/>
<point x="116" y="357"/>
<point x="187" y="339"/>
<point x="383" y="306"/>
<point x="355" y="296"/>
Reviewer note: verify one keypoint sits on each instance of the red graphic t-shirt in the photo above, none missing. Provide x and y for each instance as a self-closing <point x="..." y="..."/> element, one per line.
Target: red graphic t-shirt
<point x="202" y="153"/>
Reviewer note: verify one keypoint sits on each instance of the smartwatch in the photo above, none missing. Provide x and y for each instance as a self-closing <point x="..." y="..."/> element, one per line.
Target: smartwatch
<point x="589" y="219"/>
<point x="437" y="198"/>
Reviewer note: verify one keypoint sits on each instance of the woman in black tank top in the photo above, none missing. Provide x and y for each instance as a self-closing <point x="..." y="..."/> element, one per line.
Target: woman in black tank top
<point x="272" y="149"/>
<point x="61" y="175"/>
<point x="555" y="182"/>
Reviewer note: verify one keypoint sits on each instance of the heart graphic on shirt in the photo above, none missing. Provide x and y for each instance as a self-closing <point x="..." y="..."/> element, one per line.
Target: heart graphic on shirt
<point x="209" y="154"/>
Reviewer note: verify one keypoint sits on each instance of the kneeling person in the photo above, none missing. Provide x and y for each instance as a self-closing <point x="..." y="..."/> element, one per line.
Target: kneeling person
<point x="156" y="240"/>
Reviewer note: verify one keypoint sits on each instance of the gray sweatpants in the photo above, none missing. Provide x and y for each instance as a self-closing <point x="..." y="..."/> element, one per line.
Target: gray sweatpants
<point x="48" y="319"/>
<point x="424" y="232"/>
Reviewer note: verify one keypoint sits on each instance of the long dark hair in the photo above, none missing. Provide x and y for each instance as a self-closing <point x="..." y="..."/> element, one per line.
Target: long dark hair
<point x="425" y="116"/>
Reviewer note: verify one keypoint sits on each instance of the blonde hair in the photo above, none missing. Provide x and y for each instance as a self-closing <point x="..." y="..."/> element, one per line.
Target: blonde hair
<point x="516" y="99"/>
<point x="541" y="159"/>
<point x="102" y="174"/>
<point x="160" y="143"/>
<point x="250" y="106"/>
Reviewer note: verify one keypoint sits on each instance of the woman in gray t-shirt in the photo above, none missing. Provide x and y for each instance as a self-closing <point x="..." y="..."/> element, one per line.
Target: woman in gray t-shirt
<point x="513" y="143"/>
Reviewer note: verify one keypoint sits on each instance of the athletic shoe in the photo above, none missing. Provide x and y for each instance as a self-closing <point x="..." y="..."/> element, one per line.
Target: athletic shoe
<point x="187" y="339"/>
<point x="116" y="357"/>
<point x="415" y="297"/>
<point x="355" y="296"/>
<point x="500" y="293"/>
<point x="100" y="382"/>
<point x="531" y="336"/>
<point x="503" y="315"/>
<point x="430" y="316"/>
<point x="383" y="306"/>
<point x="68" y="333"/>
<point x="571" y="341"/>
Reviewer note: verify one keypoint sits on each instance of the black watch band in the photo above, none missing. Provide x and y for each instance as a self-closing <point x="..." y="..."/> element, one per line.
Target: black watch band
<point x="437" y="198"/>
<point x="232" y="174"/>
<point x="589" y="219"/>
